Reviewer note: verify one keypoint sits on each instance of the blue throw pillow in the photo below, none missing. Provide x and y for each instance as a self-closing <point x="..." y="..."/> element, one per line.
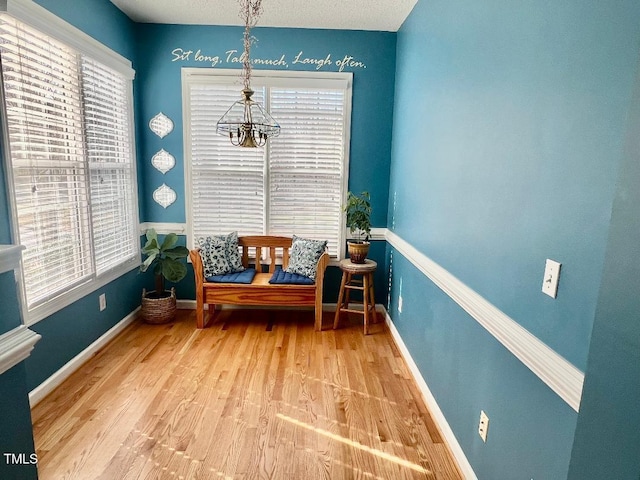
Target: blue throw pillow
<point x="220" y="254"/>
<point x="304" y="257"/>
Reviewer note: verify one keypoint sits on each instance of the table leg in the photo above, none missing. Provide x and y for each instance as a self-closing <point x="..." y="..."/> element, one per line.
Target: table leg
<point x="366" y="292"/>
<point x="340" y="298"/>
<point x="347" y="293"/>
<point x="372" y="298"/>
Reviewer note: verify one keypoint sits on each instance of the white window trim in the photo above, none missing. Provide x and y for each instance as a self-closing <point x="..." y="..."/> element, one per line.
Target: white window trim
<point x="31" y="13"/>
<point x="40" y="18"/>
<point x="268" y="78"/>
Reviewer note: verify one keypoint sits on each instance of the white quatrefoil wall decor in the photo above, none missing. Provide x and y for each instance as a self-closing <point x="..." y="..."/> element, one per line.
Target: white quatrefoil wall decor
<point x="163" y="161"/>
<point x="164" y="195"/>
<point x="161" y="125"/>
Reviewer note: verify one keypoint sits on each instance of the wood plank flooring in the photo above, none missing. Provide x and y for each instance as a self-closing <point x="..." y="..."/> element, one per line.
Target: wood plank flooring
<point x="258" y="395"/>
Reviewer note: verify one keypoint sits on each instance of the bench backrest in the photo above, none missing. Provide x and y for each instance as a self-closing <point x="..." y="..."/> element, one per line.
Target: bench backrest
<point x="261" y="250"/>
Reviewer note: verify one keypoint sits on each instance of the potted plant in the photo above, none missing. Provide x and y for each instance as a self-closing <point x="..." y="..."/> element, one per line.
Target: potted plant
<point x="358" y="209"/>
<point x="159" y="306"/>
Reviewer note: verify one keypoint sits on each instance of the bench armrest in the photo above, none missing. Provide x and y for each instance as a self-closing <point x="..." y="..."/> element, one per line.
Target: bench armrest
<point x="198" y="273"/>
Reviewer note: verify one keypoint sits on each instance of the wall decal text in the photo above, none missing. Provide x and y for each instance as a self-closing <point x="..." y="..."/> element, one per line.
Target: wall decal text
<point x="231" y="57"/>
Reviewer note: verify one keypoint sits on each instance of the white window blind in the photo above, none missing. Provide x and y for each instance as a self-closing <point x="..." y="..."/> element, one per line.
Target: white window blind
<point x="70" y="162"/>
<point x="295" y="185"/>
<point x="227" y="188"/>
<point x="306" y="164"/>
<point x="106" y="117"/>
<point x="44" y="117"/>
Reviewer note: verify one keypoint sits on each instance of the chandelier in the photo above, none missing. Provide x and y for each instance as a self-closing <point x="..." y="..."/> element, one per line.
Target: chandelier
<point x="246" y="123"/>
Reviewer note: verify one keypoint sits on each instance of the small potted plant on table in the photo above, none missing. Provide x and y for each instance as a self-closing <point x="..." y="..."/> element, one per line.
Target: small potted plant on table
<point x="159" y="306"/>
<point x="358" y="209"/>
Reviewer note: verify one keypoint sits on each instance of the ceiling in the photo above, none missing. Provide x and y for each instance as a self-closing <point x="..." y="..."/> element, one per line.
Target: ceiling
<point x="380" y="15"/>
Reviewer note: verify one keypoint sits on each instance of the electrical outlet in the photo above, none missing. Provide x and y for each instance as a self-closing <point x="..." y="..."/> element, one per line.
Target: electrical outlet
<point x="483" y="426"/>
<point x="103" y="301"/>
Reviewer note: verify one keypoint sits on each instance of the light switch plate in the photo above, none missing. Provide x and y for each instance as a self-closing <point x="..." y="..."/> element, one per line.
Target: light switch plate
<point x="483" y="426"/>
<point x="551" y="277"/>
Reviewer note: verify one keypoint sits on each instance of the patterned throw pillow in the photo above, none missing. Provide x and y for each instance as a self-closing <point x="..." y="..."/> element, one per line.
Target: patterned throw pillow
<point x="220" y="254"/>
<point x="304" y="257"/>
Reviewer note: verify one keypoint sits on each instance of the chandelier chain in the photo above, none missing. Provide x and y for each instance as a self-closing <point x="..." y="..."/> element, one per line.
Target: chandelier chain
<point x="250" y="11"/>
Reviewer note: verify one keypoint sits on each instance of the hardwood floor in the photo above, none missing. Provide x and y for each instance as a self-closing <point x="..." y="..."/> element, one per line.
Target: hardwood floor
<point x="259" y="394"/>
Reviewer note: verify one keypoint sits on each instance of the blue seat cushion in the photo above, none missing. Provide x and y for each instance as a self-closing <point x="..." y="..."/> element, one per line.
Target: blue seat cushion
<point x="246" y="276"/>
<point x="284" y="277"/>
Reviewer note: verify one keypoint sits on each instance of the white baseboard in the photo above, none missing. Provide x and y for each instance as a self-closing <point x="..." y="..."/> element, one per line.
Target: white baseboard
<point x="432" y="405"/>
<point x="46" y="387"/>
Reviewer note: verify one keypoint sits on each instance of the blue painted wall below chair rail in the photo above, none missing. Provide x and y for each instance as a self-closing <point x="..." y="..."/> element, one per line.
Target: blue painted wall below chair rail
<point x="467" y="370"/>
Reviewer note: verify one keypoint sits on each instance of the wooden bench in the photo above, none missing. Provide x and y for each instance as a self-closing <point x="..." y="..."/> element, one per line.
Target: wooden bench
<point x="259" y="291"/>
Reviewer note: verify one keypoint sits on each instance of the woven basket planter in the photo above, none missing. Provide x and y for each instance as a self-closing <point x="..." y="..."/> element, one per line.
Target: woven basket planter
<point x="158" y="310"/>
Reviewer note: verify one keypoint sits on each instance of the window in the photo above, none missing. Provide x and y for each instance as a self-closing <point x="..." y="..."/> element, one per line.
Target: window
<point x="70" y="165"/>
<point x="294" y="185"/>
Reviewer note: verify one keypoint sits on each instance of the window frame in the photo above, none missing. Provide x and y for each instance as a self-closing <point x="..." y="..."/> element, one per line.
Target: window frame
<point x="49" y="24"/>
<point x="268" y="78"/>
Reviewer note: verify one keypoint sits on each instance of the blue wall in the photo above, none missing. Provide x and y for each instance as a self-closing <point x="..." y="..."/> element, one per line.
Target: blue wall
<point x="15" y="426"/>
<point x="509" y="125"/>
<point x="160" y="90"/>
<point x="607" y="440"/>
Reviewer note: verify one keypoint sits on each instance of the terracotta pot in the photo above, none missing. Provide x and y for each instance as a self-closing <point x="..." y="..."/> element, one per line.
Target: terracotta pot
<point x="358" y="251"/>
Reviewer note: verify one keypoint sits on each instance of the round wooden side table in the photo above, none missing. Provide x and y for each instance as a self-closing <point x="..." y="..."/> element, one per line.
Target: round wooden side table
<point x="365" y="285"/>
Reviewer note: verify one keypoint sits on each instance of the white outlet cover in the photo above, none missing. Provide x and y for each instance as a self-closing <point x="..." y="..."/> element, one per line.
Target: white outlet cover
<point x="483" y="426"/>
<point x="551" y="278"/>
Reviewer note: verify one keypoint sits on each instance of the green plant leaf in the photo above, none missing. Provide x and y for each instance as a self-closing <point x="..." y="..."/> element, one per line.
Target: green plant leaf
<point x="177" y="252"/>
<point x="152" y="235"/>
<point x="151" y="247"/>
<point x="169" y="241"/>
<point x="164" y="258"/>
<point x="358" y="210"/>
<point x="147" y="263"/>
<point x="173" y="270"/>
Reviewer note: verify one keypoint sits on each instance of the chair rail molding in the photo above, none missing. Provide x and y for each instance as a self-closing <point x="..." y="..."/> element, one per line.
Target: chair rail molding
<point x="164" y="228"/>
<point x="10" y="256"/>
<point x="15" y="346"/>
<point x="559" y="374"/>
